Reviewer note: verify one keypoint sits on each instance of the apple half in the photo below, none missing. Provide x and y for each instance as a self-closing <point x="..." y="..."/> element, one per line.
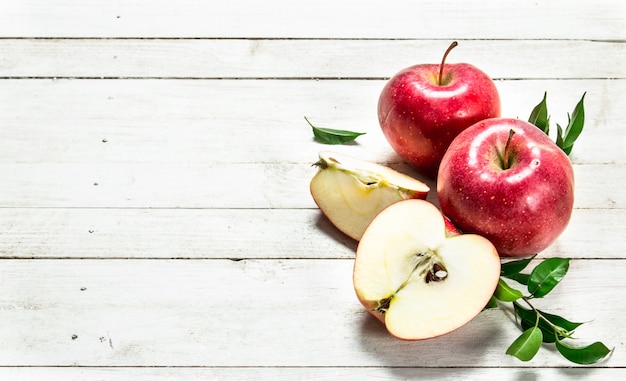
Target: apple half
<point x="351" y="192"/>
<point x="418" y="280"/>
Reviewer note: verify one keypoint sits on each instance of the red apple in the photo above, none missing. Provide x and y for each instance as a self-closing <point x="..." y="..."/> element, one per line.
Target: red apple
<point x="424" y="107"/>
<point x="506" y="180"/>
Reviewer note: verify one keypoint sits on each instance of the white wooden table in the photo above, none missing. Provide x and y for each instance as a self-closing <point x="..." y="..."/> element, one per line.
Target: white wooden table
<point x="155" y="218"/>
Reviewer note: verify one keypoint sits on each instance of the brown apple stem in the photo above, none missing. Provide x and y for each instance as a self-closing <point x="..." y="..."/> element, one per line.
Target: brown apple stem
<point x="452" y="45"/>
<point x="505" y="159"/>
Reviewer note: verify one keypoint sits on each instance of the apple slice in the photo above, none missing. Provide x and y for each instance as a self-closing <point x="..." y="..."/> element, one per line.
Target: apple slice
<point x="418" y="280"/>
<point x="351" y="192"/>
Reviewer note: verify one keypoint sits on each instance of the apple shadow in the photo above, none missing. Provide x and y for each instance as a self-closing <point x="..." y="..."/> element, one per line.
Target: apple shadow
<point x="469" y="342"/>
<point x="324" y="225"/>
<point x="350" y="143"/>
<point x="401" y="166"/>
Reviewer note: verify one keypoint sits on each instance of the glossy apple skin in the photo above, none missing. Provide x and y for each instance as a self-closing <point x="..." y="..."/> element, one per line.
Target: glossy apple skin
<point x="521" y="210"/>
<point x="420" y="118"/>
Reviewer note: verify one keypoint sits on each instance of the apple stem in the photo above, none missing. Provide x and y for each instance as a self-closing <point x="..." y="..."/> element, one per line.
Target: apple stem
<point x="452" y="45"/>
<point x="505" y="159"/>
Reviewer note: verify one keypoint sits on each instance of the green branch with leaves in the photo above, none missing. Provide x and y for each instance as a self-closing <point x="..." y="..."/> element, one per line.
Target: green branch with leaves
<point x="539" y="327"/>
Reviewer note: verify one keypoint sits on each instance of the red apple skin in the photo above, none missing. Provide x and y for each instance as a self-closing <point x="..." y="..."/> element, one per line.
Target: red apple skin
<point x="521" y="210"/>
<point x="420" y="118"/>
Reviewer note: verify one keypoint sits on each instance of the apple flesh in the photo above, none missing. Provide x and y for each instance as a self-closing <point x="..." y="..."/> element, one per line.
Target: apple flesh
<point x="418" y="280"/>
<point x="514" y="188"/>
<point x="421" y="115"/>
<point x="351" y="192"/>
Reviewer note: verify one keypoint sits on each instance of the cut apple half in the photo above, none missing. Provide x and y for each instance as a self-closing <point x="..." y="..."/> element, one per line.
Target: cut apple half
<point x="351" y="192"/>
<point x="417" y="279"/>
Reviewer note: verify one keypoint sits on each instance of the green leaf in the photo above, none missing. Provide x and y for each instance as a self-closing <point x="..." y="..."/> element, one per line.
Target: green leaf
<point x="332" y="136"/>
<point x="546" y="275"/>
<point x="590" y="354"/>
<point x="528" y="318"/>
<point x="520" y="278"/>
<point x="526" y="346"/>
<point x="575" y="125"/>
<point x="559" y="137"/>
<point x="506" y="293"/>
<point x="539" y="116"/>
<point x="560" y="321"/>
<point x="514" y="267"/>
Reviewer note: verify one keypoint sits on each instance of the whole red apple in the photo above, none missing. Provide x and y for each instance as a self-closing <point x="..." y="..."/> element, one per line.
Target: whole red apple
<point x="506" y="180"/>
<point x="424" y="107"/>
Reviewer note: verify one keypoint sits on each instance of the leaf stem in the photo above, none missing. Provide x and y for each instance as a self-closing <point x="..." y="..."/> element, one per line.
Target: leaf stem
<point x="559" y="331"/>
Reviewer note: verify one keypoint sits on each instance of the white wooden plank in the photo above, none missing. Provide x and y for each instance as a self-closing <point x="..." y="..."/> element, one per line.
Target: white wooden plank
<point x="288" y="58"/>
<point x="306" y="373"/>
<point x="327" y="19"/>
<point x="218" y="121"/>
<point x="251" y="313"/>
<point x="217" y="185"/>
<point x="237" y="234"/>
<point x="170" y="233"/>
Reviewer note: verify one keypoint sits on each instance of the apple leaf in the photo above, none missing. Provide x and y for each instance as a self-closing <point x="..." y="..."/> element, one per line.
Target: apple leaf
<point x="546" y="275"/>
<point x="528" y="319"/>
<point x="333" y="136"/>
<point x="575" y="125"/>
<point x="590" y="354"/>
<point x="559" y="137"/>
<point x="560" y="321"/>
<point x="565" y="138"/>
<point x="526" y="346"/>
<point x="506" y="293"/>
<point x="514" y="267"/>
<point x="539" y="116"/>
<point x="550" y="325"/>
<point x="519" y="278"/>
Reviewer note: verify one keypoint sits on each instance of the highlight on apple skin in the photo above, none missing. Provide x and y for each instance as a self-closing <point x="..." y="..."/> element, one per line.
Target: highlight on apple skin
<point x="418" y="280"/>
<point x="351" y="192"/>
<point x="506" y="180"/>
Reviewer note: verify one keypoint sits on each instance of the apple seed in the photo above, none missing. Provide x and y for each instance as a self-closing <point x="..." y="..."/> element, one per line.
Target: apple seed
<point x="383" y="305"/>
<point x="436" y="274"/>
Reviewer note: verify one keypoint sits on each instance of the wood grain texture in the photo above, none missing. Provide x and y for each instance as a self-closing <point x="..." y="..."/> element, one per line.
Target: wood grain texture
<point x="302" y="58"/>
<point x="304" y="373"/>
<point x="155" y="216"/>
<point x="226" y="121"/>
<point x="474" y="19"/>
<point x="266" y="186"/>
<point x="269" y="313"/>
<point x="110" y="233"/>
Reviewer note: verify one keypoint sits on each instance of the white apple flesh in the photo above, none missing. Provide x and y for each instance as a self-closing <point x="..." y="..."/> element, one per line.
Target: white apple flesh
<point x="351" y="192"/>
<point x="416" y="279"/>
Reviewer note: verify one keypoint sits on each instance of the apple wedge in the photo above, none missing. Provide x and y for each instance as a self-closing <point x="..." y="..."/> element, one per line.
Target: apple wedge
<point x="418" y="280"/>
<point x="351" y="192"/>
